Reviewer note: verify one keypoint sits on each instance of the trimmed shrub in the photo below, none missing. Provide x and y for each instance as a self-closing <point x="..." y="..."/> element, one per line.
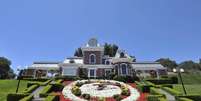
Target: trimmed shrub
<point x="144" y="88"/>
<point x="171" y="80"/>
<point x="172" y="91"/>
<point x="52" y="98"/>
<point x="183" y="99"/>
<point x="16" y="96"/>
<point x="76" y="91"/>
<point x="45" y="91"/>
<point x="192" y="97"/>
<point x="57" y="87"/>
<point x="156" y="98"/>
<point x="36" y="79"/>
<point x="79" y="84"/>
<point x="30" y="89"/>
<point x="155" y="91"/>
<point x="59" y="81"/>
<point x="126" y="79"/>
<point x="27" y="98"/>
<point x="101" y="99"/>
<point x="38" y="83"/>
<point x="86" y="96"/>
<point x="117" y="97"/>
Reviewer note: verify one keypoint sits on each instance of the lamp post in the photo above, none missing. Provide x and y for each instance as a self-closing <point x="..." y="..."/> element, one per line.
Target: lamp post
<point x="19" y="77"/>
<point x="179" y="71"/>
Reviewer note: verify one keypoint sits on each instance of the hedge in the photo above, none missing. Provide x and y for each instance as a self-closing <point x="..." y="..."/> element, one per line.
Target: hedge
<point x="27" y="98"/>
<point x="171" y="80"/>
<point x="192" y="97"/>
<point x="183" y="99"/>
<point x="45" y="91"/>
<point x="126" y="79"/>
<point x="156" y="98"/>
<point x="57" y="87"/>
<point x="30" y="89"/>
<point x="172" y="91"/>
<point x="155" y="91"/>
<point x="16" y="96"/>
<point x="36" y="79"/>
<point x="143" y="87"/>
<point x="38" y="83"/>
<point x="52" y="98"/>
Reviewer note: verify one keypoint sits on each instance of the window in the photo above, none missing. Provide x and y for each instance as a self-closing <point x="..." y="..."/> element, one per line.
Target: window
<point x="122" y="55"/>
<point x="92" y="59"/>
<point x="124" y="69"/>
<point x="92" y="72"/>
<point x="107" y="62"/>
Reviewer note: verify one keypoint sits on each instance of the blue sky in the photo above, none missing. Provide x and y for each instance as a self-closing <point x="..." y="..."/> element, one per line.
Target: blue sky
<point x="49" y="30"/>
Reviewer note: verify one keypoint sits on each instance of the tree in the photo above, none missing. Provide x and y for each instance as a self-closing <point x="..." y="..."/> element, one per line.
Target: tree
<point x="109" y="49"/>
<point x="166" y="62"/>
<point x="5" y="71"/>
<point x="190" y="65"/>
<point x="78" y="52"/>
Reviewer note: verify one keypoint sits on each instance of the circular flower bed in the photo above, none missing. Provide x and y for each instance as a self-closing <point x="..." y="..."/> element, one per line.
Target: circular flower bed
<point x="83" y="90"/>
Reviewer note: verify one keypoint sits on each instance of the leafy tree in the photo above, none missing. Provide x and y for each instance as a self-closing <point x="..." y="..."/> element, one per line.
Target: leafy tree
<point x="109" y="49"/>
<point x="166" y="62"/>
<point x="78" y="52"/>
<point x="5" y="71"/>
<point x="190" y="65"/>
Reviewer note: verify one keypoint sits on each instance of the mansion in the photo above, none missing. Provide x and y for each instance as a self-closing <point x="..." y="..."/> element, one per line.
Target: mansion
<point x="94" y="64"/>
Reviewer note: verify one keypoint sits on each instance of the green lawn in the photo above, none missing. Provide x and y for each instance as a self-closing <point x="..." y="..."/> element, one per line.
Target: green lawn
<point x="191" y="78"/>
<point x="190" y="89"/>
<point x="9" y="86"/>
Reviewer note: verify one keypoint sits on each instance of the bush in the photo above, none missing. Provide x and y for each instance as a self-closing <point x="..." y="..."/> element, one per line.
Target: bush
<point x="172" y="91"/>
<point x="155" y="91"/>
<point x="57" y="87"/>
<point x="27" y="98"/>
<point x="76" y="91"/>
<point x="79" y="84"/>
<point x="30" y="89"/>
<point x="193" y="97"/>
<point x="171" y="80"/>
<point x="36" y="79"/>
<point x="38" y="83"/>
<point x="52" y="98"/>
<point x="183" y="99"/>
<point x="101" y="99"/>
<point x="86" y="96"/>
<point x="126" y="79"/>
<point x="16" y="96"/>
<point x="144" y="88"/>
<point x="156" y="98"/>
<point x="125" y="91"/>
<point x="117" y="97"/>
<point x="45" y="91"/>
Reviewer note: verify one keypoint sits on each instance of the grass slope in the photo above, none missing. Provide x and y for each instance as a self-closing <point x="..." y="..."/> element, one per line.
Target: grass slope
<point x="190" y="89"/>
<point x="9" y="86"/>
<point x="191" y="78"/>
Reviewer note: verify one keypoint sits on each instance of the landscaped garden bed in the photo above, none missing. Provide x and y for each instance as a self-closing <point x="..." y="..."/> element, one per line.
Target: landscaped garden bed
<point x="100" y="90"/>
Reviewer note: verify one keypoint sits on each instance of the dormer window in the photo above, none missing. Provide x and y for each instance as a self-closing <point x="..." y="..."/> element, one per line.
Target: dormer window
<point x="122" y="55"/>
<point x="92" y="59"/>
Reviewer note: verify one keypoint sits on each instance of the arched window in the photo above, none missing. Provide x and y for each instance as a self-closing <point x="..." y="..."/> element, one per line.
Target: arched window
<point x="92" y="59"/>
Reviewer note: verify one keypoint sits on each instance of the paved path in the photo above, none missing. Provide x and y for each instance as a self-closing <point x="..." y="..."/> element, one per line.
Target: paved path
<point x="36" y="94"/>
<point x="168" y="95"/>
